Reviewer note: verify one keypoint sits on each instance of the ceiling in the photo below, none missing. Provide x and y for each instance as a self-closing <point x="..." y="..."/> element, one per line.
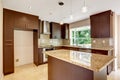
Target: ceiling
<point x="49" y="10"/>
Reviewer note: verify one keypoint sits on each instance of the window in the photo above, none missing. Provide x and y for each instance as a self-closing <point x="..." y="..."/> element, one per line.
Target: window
<point x="80" y="36"/>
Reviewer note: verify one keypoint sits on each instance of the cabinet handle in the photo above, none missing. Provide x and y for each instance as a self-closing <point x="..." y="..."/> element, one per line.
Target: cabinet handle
<point x="8" y="40"/>
<point x="9" y="44"/>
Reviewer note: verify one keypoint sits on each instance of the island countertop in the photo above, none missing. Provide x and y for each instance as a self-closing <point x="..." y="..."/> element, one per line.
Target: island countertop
<point x="94" y="62"/>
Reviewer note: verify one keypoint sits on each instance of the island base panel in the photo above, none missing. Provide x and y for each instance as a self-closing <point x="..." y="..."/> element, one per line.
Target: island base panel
<point x="61" y="70"/>
<point x="102" y="75"/>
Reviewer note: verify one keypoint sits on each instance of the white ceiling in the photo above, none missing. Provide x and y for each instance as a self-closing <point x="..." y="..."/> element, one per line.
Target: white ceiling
<point x="49" y="10"/>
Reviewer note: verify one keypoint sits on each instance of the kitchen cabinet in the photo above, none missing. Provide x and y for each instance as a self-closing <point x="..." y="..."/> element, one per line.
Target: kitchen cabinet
<point x="67" y="48"/>
<point x="16" y="20"/>
<point x="25" y="21"/>
<point x="35" y="47"/>
<point x="59" y="31"/>
<point x="58" y="47"/>
<point x="65" y="31"/>
<point x="41" y="26"/>
<point x="102" y="24"/>
<point x="104" y="52"/>
<point x="8" y="42"/>
<point x="55" y="30"/>
<point x="39" y="57"/>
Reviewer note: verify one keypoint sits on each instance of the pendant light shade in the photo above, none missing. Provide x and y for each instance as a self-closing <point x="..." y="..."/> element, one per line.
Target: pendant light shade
<point x="71" y="16"/>
<point x="84" y="8"/>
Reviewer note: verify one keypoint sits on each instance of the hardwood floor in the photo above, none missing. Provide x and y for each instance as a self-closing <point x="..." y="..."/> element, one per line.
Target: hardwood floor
<point x="31" y="72"/>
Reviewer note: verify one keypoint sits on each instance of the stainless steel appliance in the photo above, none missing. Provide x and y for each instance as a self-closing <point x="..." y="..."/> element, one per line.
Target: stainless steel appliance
<point x="45" y="57"/>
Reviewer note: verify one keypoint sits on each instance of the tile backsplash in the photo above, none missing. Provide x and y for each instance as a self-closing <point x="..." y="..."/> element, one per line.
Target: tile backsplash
<point x="96" y="42"/>
<point x="102" y="42"/>
<point x="45" y="40"/>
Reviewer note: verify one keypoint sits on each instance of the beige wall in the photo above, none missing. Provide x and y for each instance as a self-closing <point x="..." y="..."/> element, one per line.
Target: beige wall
<point x="100" y="42"/>
<point x="1" y="43"/>
<point x="81" y="23"/>
<point x="119" y="41"/>
<point x="45" y="40"/>
<point x="23" y="47"/>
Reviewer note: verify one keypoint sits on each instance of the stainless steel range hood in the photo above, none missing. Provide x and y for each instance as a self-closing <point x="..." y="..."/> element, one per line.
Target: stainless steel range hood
<point x="46" y="27"/>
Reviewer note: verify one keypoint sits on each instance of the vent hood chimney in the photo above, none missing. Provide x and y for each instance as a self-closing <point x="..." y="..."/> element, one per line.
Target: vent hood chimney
<point x="46" y="27"/>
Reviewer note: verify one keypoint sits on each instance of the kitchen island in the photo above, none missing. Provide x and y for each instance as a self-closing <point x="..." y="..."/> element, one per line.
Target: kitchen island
<point x="75" y="65"/>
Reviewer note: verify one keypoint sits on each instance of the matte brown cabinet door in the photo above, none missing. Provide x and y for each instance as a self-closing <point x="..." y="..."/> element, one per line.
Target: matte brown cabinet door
<point x="55" y="30"/>
<point x="65" y="31"/>
<point x="16" y="20"/>
<point x="8" y="42"/>
<point x="25" y="21"/>
<point x="32" y="22"/>
<point x="40" y="55"/>
<point x="20" y="21"/>
<point x="101" y="25"/>
<point x="8" y="64"/>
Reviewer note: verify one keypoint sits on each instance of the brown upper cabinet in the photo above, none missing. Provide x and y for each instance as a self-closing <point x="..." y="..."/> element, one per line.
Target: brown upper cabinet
<point x="25" y="21"/>
<point x="55" y="30"/>
<point x="102" y="24"/>
<point x="65" y="31"/>
<point x="59" y="31"/>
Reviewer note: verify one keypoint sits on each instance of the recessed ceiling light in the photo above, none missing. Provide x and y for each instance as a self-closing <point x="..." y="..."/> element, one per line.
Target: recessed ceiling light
<point x="61" y="3"/>
<point x="61" y="22"/>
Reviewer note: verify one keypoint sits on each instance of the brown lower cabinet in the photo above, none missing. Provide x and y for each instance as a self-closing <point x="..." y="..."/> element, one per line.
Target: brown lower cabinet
<point x="104" y="52"/>
<point x="40" y="57"/>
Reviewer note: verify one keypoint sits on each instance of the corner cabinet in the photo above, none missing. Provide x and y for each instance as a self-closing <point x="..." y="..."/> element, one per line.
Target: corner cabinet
<point x="55" y="30"/>
<point x="102" y="24"/>
<point x="59" y="31"/>
<point x="65" y="31"/>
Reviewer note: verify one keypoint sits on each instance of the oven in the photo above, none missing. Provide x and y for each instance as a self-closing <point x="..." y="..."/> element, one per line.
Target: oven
<point x="45" y="56"/>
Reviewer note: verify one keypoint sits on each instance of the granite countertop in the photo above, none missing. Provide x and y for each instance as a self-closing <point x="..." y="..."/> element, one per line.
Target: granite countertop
<point x="90" y="47"/>
<point x="94" y="62"/>
<point x="82" y="47"/>
<point x="46" y="46"/>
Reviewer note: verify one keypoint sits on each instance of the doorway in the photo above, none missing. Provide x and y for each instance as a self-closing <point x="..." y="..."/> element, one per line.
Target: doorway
<point x="23" y="47"/>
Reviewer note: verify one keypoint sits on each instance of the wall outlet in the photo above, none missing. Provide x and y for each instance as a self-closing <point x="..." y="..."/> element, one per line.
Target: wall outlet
<point x="17" y="60"/>
<point x="94" y="41"/>
<point x="103" y="41"/>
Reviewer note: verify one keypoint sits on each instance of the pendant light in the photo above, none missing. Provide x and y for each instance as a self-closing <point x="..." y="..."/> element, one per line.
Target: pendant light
<point x="84" y="8"/>
<point x="61" y="5"/>
<point x="71" y="16"/>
